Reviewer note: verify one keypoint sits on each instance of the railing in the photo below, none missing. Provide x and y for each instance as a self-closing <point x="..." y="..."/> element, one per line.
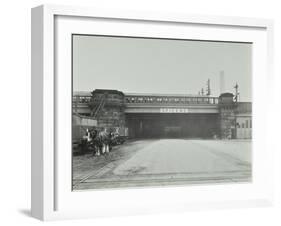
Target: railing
<point x="134" y="99"/>
<point x="81" y="99"/>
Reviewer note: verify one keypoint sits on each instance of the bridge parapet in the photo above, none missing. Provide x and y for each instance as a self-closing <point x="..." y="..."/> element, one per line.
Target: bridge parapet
<point x="139" y="103"/>
<point x="80" y="104"/>
<point x="85" y="99"/>
<point x="169" y="100"/>
<point x="153" y="99"/>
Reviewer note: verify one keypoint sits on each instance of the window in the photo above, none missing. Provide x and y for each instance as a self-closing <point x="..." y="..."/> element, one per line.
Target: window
<point x="247" y="124"/>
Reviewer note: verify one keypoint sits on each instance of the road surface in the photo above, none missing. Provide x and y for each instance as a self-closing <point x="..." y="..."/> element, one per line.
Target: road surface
<point x="172" y="162"/>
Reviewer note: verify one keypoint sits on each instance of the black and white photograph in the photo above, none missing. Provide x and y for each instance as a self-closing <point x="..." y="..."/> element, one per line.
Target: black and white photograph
<point x="150" y="112"/>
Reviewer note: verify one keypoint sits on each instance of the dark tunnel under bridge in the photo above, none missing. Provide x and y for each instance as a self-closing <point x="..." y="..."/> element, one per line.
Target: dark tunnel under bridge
<point x="171" y="125"/>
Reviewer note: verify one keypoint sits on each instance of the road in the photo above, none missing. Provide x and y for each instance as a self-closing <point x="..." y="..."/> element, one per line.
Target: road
<point x="174" y="162"/>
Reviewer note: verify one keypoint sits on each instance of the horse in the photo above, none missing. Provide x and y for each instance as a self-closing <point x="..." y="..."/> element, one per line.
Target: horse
<point x="104" y="139"/>
<point x="95" y="142"/>
<point x="101" y="141"/>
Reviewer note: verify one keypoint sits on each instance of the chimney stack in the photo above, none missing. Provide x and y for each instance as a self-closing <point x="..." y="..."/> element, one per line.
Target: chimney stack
<point x="222" y="82"/>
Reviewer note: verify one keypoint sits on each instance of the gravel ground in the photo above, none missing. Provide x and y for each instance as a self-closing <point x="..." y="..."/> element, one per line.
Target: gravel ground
<point x="165" y="162"/>
<point x="85" y="165"/>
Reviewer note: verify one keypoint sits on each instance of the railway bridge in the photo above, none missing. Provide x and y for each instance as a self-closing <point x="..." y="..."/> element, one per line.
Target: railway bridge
<point x="162" y="115"/>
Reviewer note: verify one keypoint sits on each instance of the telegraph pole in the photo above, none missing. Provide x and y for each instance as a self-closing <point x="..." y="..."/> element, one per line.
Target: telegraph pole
<point x="222" y="85"/>
<point x="236" y="92"/>
<point x="202" y="92"/>
<point x="208" y="91"/>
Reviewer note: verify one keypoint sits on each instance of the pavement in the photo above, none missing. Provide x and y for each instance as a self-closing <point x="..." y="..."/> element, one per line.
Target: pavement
<point x="168" y="162"/>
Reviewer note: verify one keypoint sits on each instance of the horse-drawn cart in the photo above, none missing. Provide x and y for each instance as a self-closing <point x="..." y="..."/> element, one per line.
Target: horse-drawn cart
<point x="99" y="140"/>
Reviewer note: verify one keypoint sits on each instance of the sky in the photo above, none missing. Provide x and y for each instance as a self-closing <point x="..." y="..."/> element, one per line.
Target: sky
<point x="138" y="65"/>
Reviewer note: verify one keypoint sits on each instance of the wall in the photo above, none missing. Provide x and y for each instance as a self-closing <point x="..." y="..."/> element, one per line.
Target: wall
<point x="15" y="96"/>
<point x="243" y="126"/>
<point x="108" y="108"/>
<point x="227" y="121"/>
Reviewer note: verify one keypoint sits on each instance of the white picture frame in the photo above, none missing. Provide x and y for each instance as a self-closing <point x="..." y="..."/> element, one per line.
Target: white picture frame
<point x="52" y="199"/>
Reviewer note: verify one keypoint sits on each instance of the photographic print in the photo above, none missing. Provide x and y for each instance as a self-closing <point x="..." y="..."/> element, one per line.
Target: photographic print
<point x="158" y="112"/>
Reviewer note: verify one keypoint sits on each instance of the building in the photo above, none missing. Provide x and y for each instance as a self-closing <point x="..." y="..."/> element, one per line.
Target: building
<point x="167" y="115"/>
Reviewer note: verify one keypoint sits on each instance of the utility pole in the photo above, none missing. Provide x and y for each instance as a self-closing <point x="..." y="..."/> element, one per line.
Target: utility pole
<point x="222" y="82"/>
<point x="208" y="91"/>
<point x="236" y="92"/>
<point x="202" y="92"/>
